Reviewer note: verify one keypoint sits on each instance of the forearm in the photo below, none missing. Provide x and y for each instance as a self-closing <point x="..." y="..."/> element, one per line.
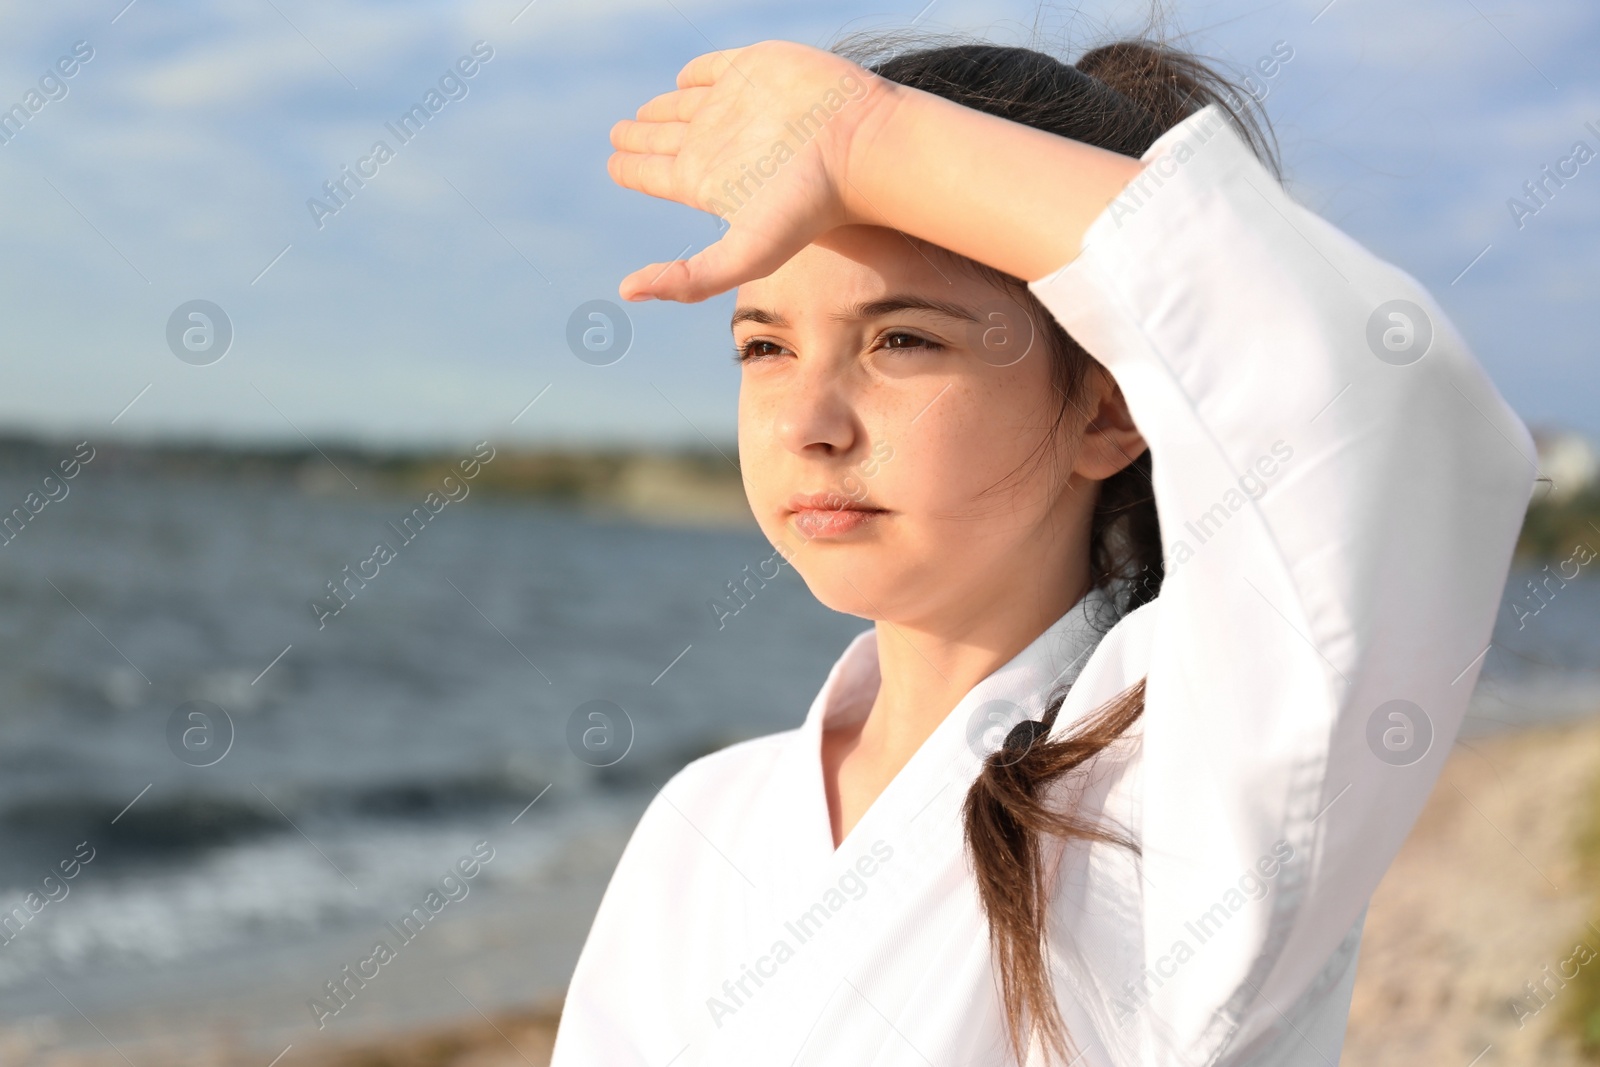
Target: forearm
<point x="1006" y="195"/>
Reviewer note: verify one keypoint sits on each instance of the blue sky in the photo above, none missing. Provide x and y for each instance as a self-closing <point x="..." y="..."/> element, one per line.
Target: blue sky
<point x="433" y="306"/>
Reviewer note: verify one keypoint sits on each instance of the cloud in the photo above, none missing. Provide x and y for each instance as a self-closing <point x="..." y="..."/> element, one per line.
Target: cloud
<point x="195" y="138"/>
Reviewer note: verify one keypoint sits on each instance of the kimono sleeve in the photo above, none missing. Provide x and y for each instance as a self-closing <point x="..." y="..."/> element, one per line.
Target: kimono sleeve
<point x="615" y="1007"/>
<point x="1339" y="488"/>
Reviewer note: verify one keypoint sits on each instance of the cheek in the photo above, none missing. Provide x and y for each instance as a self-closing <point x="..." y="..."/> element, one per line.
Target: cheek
<point x="749" y="442"/>
<point x="758" y="463"/>
<point x="981" y="457"/>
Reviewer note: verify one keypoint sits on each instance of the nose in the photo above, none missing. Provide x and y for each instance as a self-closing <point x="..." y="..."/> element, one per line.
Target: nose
<point x="814" y="415"/>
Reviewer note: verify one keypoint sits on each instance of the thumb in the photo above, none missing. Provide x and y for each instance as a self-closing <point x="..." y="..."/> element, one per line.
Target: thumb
<point x="736" y="258"/>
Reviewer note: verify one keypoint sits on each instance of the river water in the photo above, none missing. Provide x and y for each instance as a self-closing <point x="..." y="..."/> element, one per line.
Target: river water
<point x="358" y="761"/>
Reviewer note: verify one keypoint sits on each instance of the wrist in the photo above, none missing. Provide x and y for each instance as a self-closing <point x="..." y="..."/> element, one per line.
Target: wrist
<point x="1001" y="193"/>
<point x="887" y="107"/>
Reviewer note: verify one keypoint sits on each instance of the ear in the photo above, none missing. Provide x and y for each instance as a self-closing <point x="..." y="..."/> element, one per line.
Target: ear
<point x="1110" y="439"/>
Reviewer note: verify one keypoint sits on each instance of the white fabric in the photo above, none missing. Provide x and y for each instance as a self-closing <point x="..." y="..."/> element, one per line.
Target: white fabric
<point x="1366" y="567"/>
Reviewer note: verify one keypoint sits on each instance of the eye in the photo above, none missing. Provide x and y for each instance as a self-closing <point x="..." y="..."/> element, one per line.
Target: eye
<point x="900" y="339"/>
<point x="756" y="349"/>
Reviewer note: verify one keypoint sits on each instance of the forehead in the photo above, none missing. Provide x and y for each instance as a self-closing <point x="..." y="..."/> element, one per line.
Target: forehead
<point x="858" y="264"/>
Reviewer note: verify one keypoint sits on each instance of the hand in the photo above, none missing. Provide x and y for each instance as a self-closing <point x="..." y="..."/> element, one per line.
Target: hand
<point x="760" y="136"/>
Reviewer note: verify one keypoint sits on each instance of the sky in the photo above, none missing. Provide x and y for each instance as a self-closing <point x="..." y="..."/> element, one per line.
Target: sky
<point x="177" y="161"/>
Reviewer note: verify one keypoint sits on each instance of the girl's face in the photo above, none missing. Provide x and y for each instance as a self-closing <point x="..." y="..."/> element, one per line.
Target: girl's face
<point x="914" y="404"/>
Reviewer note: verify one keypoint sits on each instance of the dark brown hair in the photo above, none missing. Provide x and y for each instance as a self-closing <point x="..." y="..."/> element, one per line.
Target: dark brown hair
<point x="1121" y="97"/>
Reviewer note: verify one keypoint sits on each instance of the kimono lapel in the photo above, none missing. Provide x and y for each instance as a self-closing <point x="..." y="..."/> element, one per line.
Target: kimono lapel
<point x="847" y="911"/>
<point x="796" y="838"/>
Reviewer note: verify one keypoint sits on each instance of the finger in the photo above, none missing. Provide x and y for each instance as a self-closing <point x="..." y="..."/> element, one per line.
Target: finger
<point x="706" y="69"/>
<point x="649" y="138"/>
<point x="688" y="281"/>
<point x="714" y="269"/>
<point x="658" y="281"/>
<point x="679" y="105"/>
<point x="648" y="174"/>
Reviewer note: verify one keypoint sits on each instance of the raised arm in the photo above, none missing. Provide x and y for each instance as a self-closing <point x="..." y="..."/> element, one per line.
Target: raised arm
<point x="1339" y="488"/>
<point x="786" y="142"/>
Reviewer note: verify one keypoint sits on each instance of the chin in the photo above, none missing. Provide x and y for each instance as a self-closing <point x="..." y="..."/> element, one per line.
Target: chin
<point x="854" y="581"/>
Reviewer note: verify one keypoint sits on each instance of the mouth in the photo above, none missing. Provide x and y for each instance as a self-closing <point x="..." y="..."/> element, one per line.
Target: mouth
<point x="817" y="515"/>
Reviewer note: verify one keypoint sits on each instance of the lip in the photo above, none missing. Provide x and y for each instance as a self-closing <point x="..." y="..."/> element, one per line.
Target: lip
<point x="828" y="500"/>
<point x="830" y="514"/>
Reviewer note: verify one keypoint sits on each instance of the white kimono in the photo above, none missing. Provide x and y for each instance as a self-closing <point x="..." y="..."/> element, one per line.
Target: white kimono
<point x="1339" y="488"/>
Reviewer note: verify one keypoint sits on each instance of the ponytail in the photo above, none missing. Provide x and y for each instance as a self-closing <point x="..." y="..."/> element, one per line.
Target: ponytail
<point x="1121" y="97"/>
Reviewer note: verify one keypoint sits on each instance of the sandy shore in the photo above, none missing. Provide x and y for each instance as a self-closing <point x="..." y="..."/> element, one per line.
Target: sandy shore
<point x="1484" y="895"/>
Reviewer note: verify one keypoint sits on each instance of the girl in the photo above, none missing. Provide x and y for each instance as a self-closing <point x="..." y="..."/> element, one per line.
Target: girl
<point x="1181" y="519"/>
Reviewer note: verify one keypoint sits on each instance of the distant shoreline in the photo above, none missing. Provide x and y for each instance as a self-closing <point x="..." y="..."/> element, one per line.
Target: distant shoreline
<point x="699" y="486"/>
<point x="678" y="486"/>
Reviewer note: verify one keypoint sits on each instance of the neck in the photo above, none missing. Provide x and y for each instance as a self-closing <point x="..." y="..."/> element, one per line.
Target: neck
<point x="927" y="667"/>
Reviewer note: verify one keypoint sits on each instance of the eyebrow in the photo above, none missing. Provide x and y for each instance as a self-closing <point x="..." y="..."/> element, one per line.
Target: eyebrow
<point x="870" y="309"/>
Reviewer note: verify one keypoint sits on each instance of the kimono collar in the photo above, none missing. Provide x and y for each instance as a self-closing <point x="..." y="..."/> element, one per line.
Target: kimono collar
<point x="1017" y="690"/>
